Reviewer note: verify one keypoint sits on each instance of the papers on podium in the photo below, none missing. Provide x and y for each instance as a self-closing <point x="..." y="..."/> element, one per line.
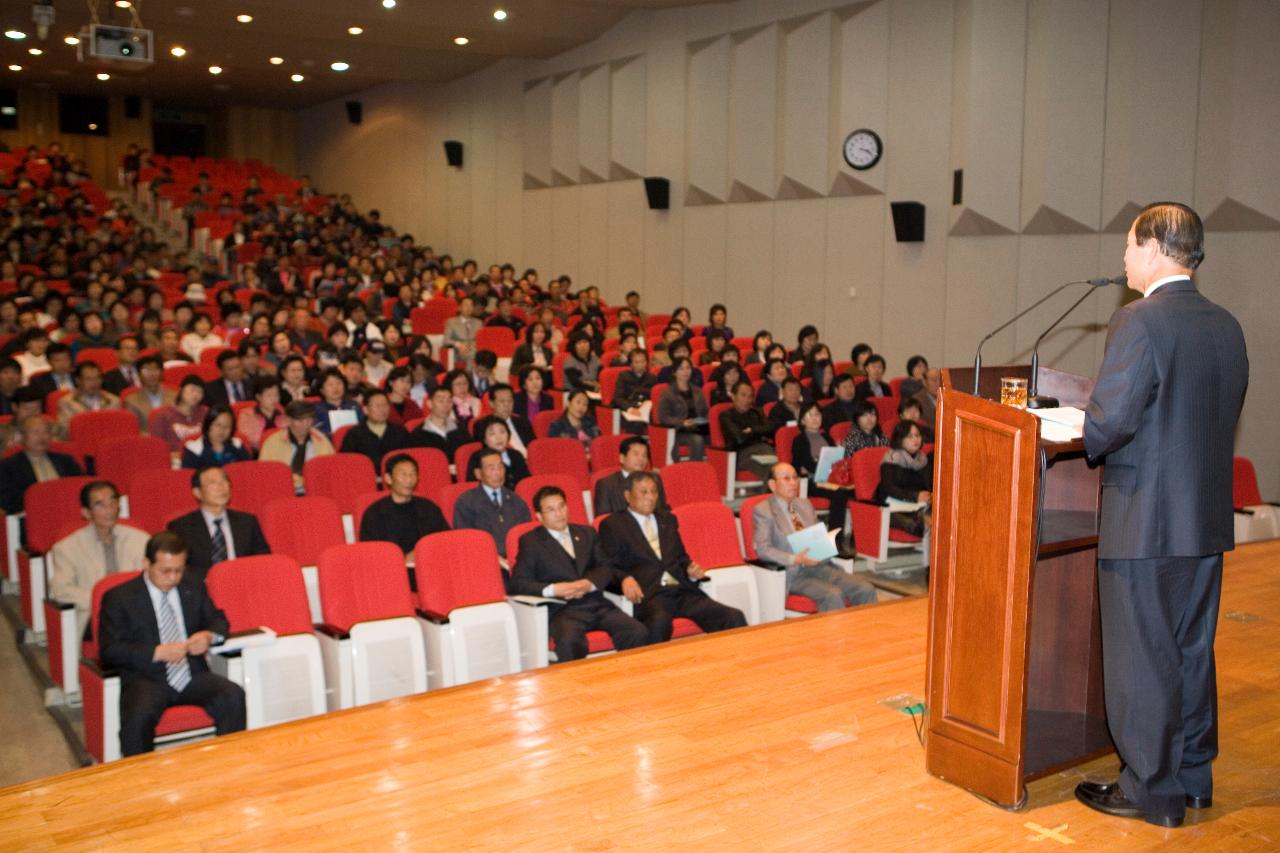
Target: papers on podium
<point x="1060" y="424"/>
<point x="816" y="539"/>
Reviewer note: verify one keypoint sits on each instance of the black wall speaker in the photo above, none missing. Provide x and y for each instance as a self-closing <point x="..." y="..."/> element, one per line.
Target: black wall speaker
<point x="453" y="152"/>
<point x="658" y="192"/>
<point x="908" y="221"/>
<point x="355" y="111"/>
<point x="132" y="106"/>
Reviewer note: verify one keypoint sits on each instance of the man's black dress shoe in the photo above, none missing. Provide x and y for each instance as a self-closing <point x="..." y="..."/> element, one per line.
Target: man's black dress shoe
<point x="1103" y="789"/>
<point x="1109" y="799"/>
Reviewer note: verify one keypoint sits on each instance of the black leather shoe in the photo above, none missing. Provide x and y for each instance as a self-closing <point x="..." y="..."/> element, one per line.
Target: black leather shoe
<point x="1109" y="799"/>
<point x="1104" y="789"/>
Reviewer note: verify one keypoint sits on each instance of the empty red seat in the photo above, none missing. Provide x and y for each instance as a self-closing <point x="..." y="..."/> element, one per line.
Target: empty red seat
<point x="256" y="483"/>
<point x="303" y="527"/>
<point x="341" y="476"/>
<point x="560" y="456"/>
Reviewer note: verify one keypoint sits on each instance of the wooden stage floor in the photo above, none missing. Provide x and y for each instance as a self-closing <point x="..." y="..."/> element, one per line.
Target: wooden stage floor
<point x="772" y="738"/>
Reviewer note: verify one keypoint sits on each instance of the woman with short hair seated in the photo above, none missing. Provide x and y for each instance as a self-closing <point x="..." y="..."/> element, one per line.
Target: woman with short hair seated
<point x="577" y="420"/>
<point x="683" y="406"/>
<point x="906" y="474"/>
<point x="492" y="432"/>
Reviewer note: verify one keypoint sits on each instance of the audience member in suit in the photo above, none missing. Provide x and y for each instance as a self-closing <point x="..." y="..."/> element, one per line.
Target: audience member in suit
<point x="652" y="569"/>
<point x="493" y="434"/>
<point x="927" y="397"/>
<point x="375" y="436"/>
<point x="402" y="517"/>
<point x="530" y="400"/>
<point x="875" y="386"/>
<point x="562" y="560"/>
<point x="26" y="403"/>
<point x="298" y="442"/>
<point x="490" y="506"/>
<point x="746" y="432"/>
<point x="611" y="491"/>
<point x="217" y="445"/>
<point x="840" y="409"/>
<point x="789" y="406"/>
<point x="155" y="631"/>
<point x="440" y="428"/>
<point x="61" y="374"/>
<point x="534" y="352"/>
<point x="917" y="367"/>
<point x="89" y="396"/>
<point x="784" y="513"/>
<point x="503" y="401"/>
<point x="100" y="548"/>
<point x="460" y="331"/>
<point x="35" y="464"/>
<point x="230" y="386"/>
<point x="1162" y="417"/>
<point x="151" y="394"/>
<point x="125" y="375"/>
<point x="213" y="532"/>
<point x="805" y="450"/>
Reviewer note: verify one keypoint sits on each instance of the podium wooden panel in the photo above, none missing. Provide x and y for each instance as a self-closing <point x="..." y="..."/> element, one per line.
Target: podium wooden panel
<point x="1014" y="668"/>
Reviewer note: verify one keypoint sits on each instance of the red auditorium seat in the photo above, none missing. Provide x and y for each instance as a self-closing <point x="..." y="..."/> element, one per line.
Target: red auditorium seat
<point x="462" y="458"/>
<point x="49" y="508"/>
<point x="302" y="527"/>
<point x="710" y="536"/>
<point x="88" y="430"/>
<point x="433" y="469"/>
<point x="795" y="605"/>
<point x="120" y="458"/>
<point x="574" y="498"/>
<point x="689" y="482"/>
<point x="340" y="476"/>
<point x="156" y="495"/>
<point x="872" y="534"/>
<point x="560" y="456"/>
<point x="256" y="483"/>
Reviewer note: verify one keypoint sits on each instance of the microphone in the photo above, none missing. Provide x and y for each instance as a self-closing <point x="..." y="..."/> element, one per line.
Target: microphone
<point x="1034" y="400"/>
<point x="977" y="358"/>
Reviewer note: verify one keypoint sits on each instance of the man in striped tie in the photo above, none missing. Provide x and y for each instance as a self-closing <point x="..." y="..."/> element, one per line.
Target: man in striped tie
<point x="155" y="630"/>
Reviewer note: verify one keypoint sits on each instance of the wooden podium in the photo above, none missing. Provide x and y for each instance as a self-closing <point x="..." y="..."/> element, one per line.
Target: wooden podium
<point x="1014" y="660"/>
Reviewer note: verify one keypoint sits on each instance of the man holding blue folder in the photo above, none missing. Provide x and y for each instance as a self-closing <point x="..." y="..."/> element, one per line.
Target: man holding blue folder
<point x="810" y="571"/>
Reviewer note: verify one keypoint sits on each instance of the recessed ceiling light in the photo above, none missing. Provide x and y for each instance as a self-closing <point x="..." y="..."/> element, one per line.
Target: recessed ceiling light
<point x="15" y="67"/>
<point x="339" y="66"/>
<point x="35" y="51"/>
<point x="244" y="19"/>
<point x="123" y="4"/>
<point x="276" y="60"/>
<point x="178" y="50"/>
<point x="297" y="78"/>
<point x="215" y="69"/>
<point x="93" y="125"/>
<point x="461" y="40"/>
<point x="355" y="31"/>
<point x="16" y="35"/>
<point x="102" y="75"/>
<point x="499" y="14"/>
<point x="388" y="4"/>
<point x="71" y="40"/>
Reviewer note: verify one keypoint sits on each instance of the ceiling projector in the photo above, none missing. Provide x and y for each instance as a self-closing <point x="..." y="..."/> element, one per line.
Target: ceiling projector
<point x="121" y="47"/>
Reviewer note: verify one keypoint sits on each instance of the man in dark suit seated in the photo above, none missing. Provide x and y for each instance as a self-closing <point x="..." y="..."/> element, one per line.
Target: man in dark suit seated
<point x="209" y="541"/>
<point x="230" y="386"/>
<point x="61" y="373"/>
<point x="875" y="386"/>
<point x="490" y="506"/>
<point x="653" y="571"/>
<point x="125" y="374"/>
<point x="561" y="560"/>
<point x="840" y="409"/>
<point x="401" y="517"/>
<point x="155" y="630"/>
<point x="375" y="436"/>
<point x="503" y="400"/>
<point x="610" y="494"/>
<point x="35" y="464"/>
<point x="440" y="428"/>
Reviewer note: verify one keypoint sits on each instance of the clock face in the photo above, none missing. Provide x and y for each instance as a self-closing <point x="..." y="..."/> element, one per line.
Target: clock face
<point x="862" y="149"/>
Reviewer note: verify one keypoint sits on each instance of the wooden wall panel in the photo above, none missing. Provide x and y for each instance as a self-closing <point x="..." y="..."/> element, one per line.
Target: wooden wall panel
<point x="593" y="125"/>
<point x="854" y="262"/>
<point x="564" y="129"/>
<point x="627" y="117"/>
<point x="624" y="259"/>
<point x="707" y="118"/>
<point x="804" y="108"/>
<point x="753" y="115"/>
<point x="566" y="230"/>
<point x="263" y="134"/>
<point x="592" y="265"/>
<point x="537" y="133"/>
<point x="707" y="250"/>
<point x="860" y="93"/>
<point x="799" y="240"/>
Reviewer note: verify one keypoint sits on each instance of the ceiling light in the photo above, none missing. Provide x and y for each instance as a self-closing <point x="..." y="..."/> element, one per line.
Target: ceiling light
<point x="461" y="40"/>
<point x="93" y="125"/>
<point x="388" y="4"/>
<point x="215" y="69"/>
<point x="102" y="75"/>
<point x="15" y="67"/>
<point x="178" y="50"/>
<point x="339" y="66"/>
<point x="355" y="31"/>
<point x="123" y="4"/>
<point x="297" y="78"/>
<point x="71" y="40"/>
<point x="276" y="60"/>
<point x="244" y="19"/>
<point x="16" y="35"/>
<point x="499" y="14"/>
<point x="35" y="51"/>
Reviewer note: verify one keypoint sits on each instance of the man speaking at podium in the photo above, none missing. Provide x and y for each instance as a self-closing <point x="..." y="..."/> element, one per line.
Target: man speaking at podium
<point x="1162" y="418"/>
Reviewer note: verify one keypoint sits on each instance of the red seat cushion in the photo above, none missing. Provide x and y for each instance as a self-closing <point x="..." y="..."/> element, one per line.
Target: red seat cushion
<point x="182" y="718"/>
<point x="896" y="535"/>
<point x="683" y="627"/>
<point x="801" y="604"/>
<point x="597" y="641"/>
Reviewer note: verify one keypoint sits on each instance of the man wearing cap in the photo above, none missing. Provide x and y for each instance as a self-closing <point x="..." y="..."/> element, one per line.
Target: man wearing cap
<point x="297" y="442"/>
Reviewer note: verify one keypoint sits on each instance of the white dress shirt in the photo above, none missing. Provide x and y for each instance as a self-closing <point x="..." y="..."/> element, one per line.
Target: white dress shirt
<point x="226" y="531"/>
<point x="1155" y="285"/>
<point x="174" y="602"/>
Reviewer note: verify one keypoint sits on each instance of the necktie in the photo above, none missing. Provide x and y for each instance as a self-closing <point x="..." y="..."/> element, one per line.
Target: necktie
<point x="795" y="519"/>
<point x="131" y="375"/>
<point x="237" y="395"/>
<point x="43" y="468"/>
<point x="219" y="552"/>
<point x="178" y="674"/>
<point x="651" y="534"/>
<point x="109" y="562"/>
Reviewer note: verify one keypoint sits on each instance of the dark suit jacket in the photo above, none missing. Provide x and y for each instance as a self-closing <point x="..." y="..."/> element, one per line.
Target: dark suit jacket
<point x="1162" y="417"/>
<point x="524" y="429"/>
<point x="46" y="385"/>
<point x="544" y="560"/>
<point x="215" y="392"/>
<point x="115" y="381"/>
<point x="473" y="510"/>
<point x="128" y="632"/>
<point x="545" y="403"/>
<point x="864" y="390"/>
<point x="361" y="439"/>
<point x="611" y="495"/>
<point x="837" y="412"/>
<point x="245" y="534"/>
<point x="626" y="551"/>
<point x="17" y="475"/>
